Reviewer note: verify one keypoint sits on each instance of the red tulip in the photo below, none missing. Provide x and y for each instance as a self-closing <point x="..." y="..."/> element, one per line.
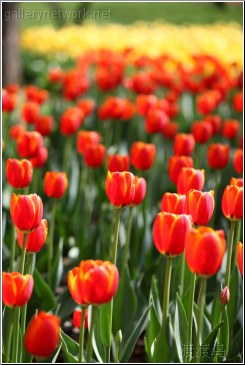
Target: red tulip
<point x="118" y="163"/>
<point x="215" y="122"/>
<point x="190" y="178"/>
<point x="77" y="318"/>
<point x="170" y="130"/>
<point x="9" y="101"/>
<point x="40" y="158"/>
<point x="85" y="138"/>
<point x="55" y="184"/>
<point x="29" y="143"/>
<point x="144" y="103"/>
<point x="30" y="112"/>
<point x="35" y="239"/>
<point x="232" y="202"/>
<point x="238" y="161"/>
<point x="87" y="106"/>
<point x="175" y="164"/>
<point x="71" y="121"/>
<point x="208" y="101"/>
<point x="94" y="155"/>
<point x="201" y="131"/>
<point x="240" y="257"/>
<point x="120" y="188"/>
<point x="44" y="125"/>
<point x="16" y="289"/>
<point x="173" y="203"/>
<point x="156" y="120"/>
<point x="238" y="102"/>
<point x="200" y="206"/>
<point x="19" y="173"/>
<point x="142" y="155"/>
<point x="236" y="181"/>
<point x="218" y="155"/>
<point x="184" y="144"/>
<point x="231" y="128"/>
<point x="16" y="130"/>
<point x="140" y="190"/>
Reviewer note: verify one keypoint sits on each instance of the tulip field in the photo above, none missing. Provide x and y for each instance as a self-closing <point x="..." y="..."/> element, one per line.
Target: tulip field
<point x="122" y="197"/>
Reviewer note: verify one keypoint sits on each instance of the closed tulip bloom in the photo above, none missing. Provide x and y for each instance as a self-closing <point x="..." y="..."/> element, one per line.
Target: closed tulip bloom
<point x="201" y="131"/>
<point x="173" y="203"/>
<point x="9" y="101"/>
<point x="55" y="184"/>
<point x="30" y="112"/>
<point x="94" y="155"/>
<point x="215" y="122"/>
<point x="175" y="165"/>
<point x="140" y="190"/>
<point x="35" y="239"/>
<point x="218" y="155"/>
<point x="71" y="121"/>
<point x="120" y="188"/>
<point x="170" y="130"/>
<point x="169" y="232"/>
<point x="44" y="125"/>
<point x="19" y="173"/>
<point x="16" y="289"/>
<point x="231" y="128"/>
<point x="142" y="155"/>
<point x="118" y="163"/>
<point x="144" y="103"/>
<point x="238" y="161"/>
<point x="204" y="250"/>
<point x="29" y="143"/>
<point x="40" y="158"/>
<point x="16" y="130"/>
<point x="236" y="181"/>
<point x="85" y="138"/>
<point x="240" y="257"/>
<point x="184" y="144"/>
<point x="190" y="178"/>
<point x="42" y="334"/>
<point x="200" y="206"/>
<point x="238" y="102"/>
<point x="232" y="202"/>
<point x="224" y="297"/>
<point x="155" y="121"/>
<point x="26" y="211"/>
<point x="87" y="106"/>
<point x="77" y="318"/>
<point x="93" y="282"/>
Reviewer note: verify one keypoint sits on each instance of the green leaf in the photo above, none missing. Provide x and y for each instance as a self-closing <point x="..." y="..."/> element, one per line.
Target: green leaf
<point x="153" y="328"/>
<point x="67" y="304"/>
<point x="154" y="296"/>
<point x="105" y="323"/>
<point x="206" y="323"/>
<point x="98" y="346"/>
<point x="127" y="349"/>
<point x="43" y="292"/>
<point x="57" y="267"/>
<point x="235" y="296"/>
<point x="163" y="346"/>
<point x="208" y="345"/>
<point x="56" y="354"/>
<point x="216" y="308"/>
<point x="224" y="335"/>
<point x="70" y="348"/>
<point x="180" y="326"/>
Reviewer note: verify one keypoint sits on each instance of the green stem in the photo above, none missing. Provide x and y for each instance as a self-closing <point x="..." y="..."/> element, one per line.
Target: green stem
<point x="24" y="308"/>
<point x="237" y="239"/>
<point x="16" y="334"/>
<point x="89" y="346"/>
<point x="51" y="242"/>
<point x="81" y="336"/>
<point x="182" y="274"/>
<point x="166" y="291"/>
<point x="23" y="254"/>
<point x="216" y="188"/>
<point x="126" y="248"/>
<point x="200" y="316"/>
<point x="66" y="156"/>
<point x="35" y="179"/>
<point x="115" y="240"/>
<point x="198" y="156"/>
<point x="190" y="314"/>
<point x="9" y="334"/>
<point x="229" y="253"/>
<point x="12" y="248"/>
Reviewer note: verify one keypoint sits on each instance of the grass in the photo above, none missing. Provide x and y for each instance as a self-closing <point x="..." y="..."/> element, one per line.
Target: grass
<point x="178" y="13"/>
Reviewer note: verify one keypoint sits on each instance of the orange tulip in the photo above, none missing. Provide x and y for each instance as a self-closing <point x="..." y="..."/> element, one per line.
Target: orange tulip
<point x="236" y="181"/>
<point x="184" y="144"/>
<point x="118" y="163"/>
<point x="190" y="178"/>
<point x="169" y="232"/>
<point x="201" y="131"/>
<point x="35" y="239"/>
<point x="175" y="164"/>
<point x="173" y="203"/>
<point x="30" y="112"/>
<point x="94" y="155"/>
<point x="204" y="250"/>
<point x="140" y="190"/>
<point x="40" y="158"/>
<point x="85" y="138"/>
<point x="26" y="211"/>
<point x="120" y="188"/>
<point x="93" y="282"/>
<point x="71" y="121"/>
<point x="77" y="318"/>
<point x="55" y="184"/>
<point x="238" y="161"/>
<point x="142" y="155"/>
<point x="29" y="143"/>
<point x="19" y="173"/>
<point x="200" y="206"/>
<point x="42" y="334"/>
<point x="218" y="155"/>
<point x="240" y="257"/>
<point x="44" y="125"/>
<point x="232" y="202"/>
<point x="16" y="289"/>
<point x="231" y="128"/>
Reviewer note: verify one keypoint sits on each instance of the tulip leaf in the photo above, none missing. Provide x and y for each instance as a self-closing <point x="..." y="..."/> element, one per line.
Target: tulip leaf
<point x="180" y="326"/>
<point x="224" y="337"/>
<point x="235" y="295"/>
<point x="70" y="348"/>
<point x="98" y="345"/>
<point x="57" y="267"/>
<point x="127" y="348"/>
<point x="164" y="344"/>
<point x="206" y="351"/>
<point x="105" y="323"/>
<point x="43" y="292"/>
<point x="206" y="323"/>
<point x="56" y="354"/>
<point x="216" y="308"/>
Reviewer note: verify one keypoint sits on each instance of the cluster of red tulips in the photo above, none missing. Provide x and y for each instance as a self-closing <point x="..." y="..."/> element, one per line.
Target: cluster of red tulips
<point x="74" y="142"/>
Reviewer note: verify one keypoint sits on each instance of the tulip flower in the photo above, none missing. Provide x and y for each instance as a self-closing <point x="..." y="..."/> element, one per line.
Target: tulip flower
<point x="190" y="178"/>
<point x="140" y="190"/>
<point x="170" y="130"/>
<point x="144" y="103"/>
<point x="16" y="289"/>
<point x="77" y="317"/>
<point x="55" y="184"/>
<point x="36" y="94"/>
<point x="175" y="165"/>
<point x="19" y="173"/>
<point x="183" y="144"/>
<point x="232" y="202"/>
<point x="35" y="239"/>
<point x="29" y="143"/>
<point x="94" y="155"/>
<point x="155" y="121"/>
<point x="238" y="102"/>
<point x="120" y="188"/>
<point x="218" y="155"/>
<point x="240" y="257"/>
<point x="231" y="128"/>
<point x="44" y="125"/>
<point x="204" y="250"/>
<point x="40" y="158"/>
<point x="142" y="155"/>
<point x="236" y="181"/>
<point x="87" y="106"/>
<point x="224" y="297"/>
<point x="208" y="101"/>
<point x="173" y="203"/>
<point x="42" y="335"/>
<point x="93" y="282"/>
<point x="26" y="211"/>
<point x="85" y="138"/>
<point x="30" y="112"/>
<point x="16" y="130"/>
<point x="118" y="163"/>
<point x="200" y="206"/>
<point x="201" y="131"/>
<point x="71" y="121"/>
<point x="215" y="122"/>
<point x="9" y="101"/>
<point x="238" y="161"/>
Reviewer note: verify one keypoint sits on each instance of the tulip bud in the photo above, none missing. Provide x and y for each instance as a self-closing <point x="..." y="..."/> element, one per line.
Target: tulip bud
<point x="16" y="288"/>
<point x="190" y="179"/>
<point x="19" y="173"/>
<point x="218" y="155"/>
<point x="85" y="138"/>
<point x="183" y="144"/>
<point x="94" y="155"/>
<point x="175" y="164"/>
<point x="142" y="155"/>
<point x="55" y="184"/>
<point x="232" y="202"/>
<point x="77" y="318"/>
<point x="29" y="143"/>
<point x="224" y="296"/>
